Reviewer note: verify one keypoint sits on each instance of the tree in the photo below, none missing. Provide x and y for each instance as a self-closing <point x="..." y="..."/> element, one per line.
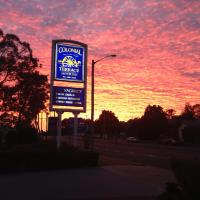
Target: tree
<point x="107" y="124"/>
<point x="196" y="109"/>
<point x="170" y="113"/>
<point x="23" y="90"/>
<point x="154" y="112"/>
<point x="190" y="112"/>
<point x="133" y="127"/>
<point x="153" y="123"/>
<point x="31" y="95"/>
<point x="15" y="58"/>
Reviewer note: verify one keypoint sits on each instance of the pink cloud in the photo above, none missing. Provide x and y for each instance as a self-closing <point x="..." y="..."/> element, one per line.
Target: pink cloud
<point x="156" y="42"/>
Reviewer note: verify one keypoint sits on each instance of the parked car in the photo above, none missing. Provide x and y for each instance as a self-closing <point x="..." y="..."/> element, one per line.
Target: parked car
<point x="133" y="139"/>
<point x="168" y="141"/>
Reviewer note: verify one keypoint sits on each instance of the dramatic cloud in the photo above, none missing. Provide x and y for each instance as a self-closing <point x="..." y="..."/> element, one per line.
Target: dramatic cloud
<point x="157" y="45"/>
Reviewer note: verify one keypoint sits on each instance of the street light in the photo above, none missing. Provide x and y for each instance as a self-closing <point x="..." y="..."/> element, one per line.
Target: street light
<point x="92" y="85"/>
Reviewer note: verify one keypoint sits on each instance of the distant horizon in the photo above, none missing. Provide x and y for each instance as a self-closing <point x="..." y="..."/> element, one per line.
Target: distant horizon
<point x="156" y="43"/>
<point x="82" y="115"/>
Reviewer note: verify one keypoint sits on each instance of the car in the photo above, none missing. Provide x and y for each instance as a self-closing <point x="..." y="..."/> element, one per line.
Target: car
<point x="169" y="141"/>
<point x="133" y="139"/>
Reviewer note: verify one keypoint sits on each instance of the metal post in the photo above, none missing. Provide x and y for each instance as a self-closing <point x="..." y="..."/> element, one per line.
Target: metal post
<point x="58" y="138"/>
<point x="92" y="92"/>
<point x="41" y="122"/>
<point x="92" y="104"/>
<point x="47" y="124"/>
<point x="92" y="84"/>
<point x="75" y="128"/>
<point x="38" y="123"/>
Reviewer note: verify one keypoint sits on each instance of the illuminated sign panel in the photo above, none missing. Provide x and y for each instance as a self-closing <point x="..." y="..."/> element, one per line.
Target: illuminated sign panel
<point x="68" y="85"/>
<point x="69" y="62"/>
<point x="67" y="96"/>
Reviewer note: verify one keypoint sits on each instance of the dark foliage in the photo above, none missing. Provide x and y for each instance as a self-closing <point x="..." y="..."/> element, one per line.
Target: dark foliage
<point x="22" y="135"/>
<point x="11" y="139"/>
<point x="45" y="157"/>
<point x="23" y="91"/>
<point x="191" y="135"/>
<point x="133" y="127"/>
<point x="153" y="123"/>
<point x="107" y="124"/>
<point x="27" y="135"/>
<point x="188" y="176"/>
<point x="190" y="112"/>
<point x="173" y="192"/>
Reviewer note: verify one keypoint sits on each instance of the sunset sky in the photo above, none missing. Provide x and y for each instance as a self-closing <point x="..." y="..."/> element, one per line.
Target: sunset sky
<point x="157" y="43"/>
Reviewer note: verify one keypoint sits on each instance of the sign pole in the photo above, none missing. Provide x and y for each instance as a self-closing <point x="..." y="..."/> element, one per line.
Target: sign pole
<point x="75" y="128"/>
<point x="69" y="64"/>
<point x="58" y="138"/>
<point x="92" y="92"/>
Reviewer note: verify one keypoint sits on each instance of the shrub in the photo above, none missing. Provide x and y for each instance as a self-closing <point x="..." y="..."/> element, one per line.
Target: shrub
<point x="11" y="138"/>
<point x="45" y="157"/>
<point x="188" y="175"/>
<point x="27" y="135"/>
<point x="173" y="192"/>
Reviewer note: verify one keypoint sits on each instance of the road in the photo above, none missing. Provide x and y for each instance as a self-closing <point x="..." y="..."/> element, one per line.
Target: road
<point x="145" y="154"/>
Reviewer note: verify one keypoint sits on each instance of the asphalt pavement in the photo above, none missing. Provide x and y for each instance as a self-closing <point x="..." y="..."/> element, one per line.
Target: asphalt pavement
<point x="108" y="182"/>
<point x="116" y="178"/>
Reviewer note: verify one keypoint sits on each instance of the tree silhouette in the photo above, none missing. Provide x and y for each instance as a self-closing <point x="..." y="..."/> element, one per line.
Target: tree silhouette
<point x="153" y="123"/>
<point x="107" y="124"/>
<point x="196" y="109"/>
<point x="15" y="58"/>
<point x="170" y="113"/>
<point x="23" y="90"/>
<point x="190" y="112"/>
<point x="133" y="127"/>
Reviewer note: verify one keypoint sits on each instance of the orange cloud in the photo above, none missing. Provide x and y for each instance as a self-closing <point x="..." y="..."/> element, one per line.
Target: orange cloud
<point x="156" y="42"/>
